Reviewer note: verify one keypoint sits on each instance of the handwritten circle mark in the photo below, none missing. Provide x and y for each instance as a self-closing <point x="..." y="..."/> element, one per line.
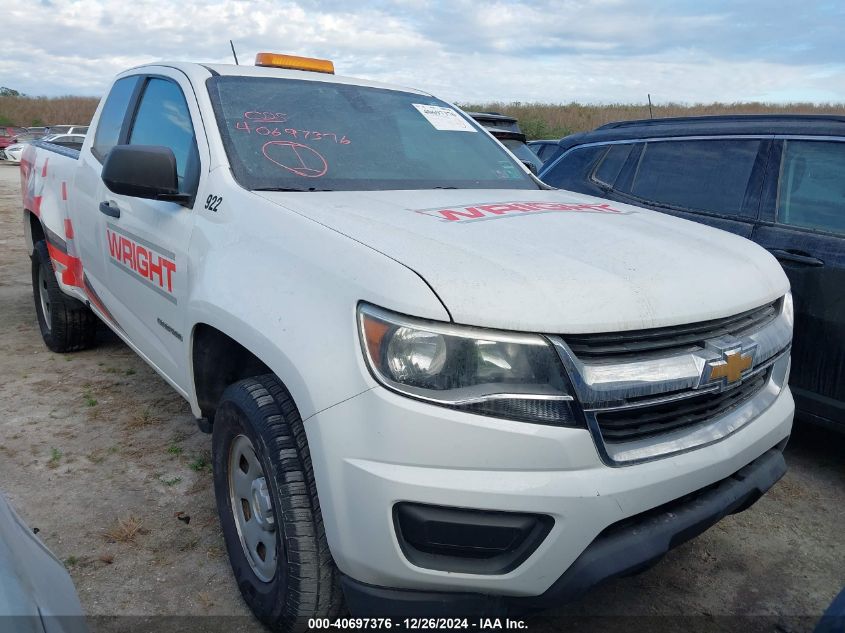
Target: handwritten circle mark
<point x="296" y="157"/>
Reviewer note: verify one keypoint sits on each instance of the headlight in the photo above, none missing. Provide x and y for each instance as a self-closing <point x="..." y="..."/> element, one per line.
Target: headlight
<point x="501" y="374"/>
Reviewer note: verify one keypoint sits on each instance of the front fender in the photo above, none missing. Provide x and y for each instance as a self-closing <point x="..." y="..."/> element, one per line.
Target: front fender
<point x="292" y="301"/>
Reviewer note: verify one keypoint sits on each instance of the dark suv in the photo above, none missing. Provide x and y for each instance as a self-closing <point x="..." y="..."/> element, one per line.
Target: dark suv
<point x="778" y="180"/>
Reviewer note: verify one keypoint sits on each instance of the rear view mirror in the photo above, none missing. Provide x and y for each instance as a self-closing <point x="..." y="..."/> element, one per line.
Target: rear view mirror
<point x="143" y="171"/>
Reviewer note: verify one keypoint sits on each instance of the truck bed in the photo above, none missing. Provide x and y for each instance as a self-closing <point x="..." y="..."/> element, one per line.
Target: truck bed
<point x="71" y="150"/>
<point x="46" y="186"/>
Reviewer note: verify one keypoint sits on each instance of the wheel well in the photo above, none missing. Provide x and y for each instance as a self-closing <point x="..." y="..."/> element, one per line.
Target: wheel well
<point x="36" y="231"/>
<point x="218" y="361"/>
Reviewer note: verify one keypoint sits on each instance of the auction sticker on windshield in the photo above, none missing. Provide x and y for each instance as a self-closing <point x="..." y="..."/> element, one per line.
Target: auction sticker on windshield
<point x="445" y="119"/>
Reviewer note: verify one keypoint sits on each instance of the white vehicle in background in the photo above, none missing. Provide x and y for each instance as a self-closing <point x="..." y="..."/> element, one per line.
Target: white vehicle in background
<point x="68" y="129"/>
<point x="434" y="384"/>
<point x="39" y="131"/>
<point x="13" y="153"/>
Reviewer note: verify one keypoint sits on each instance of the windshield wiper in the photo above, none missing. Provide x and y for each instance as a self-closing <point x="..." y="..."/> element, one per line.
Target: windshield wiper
<point x="444" y="187"/>
<point x="290" y="189"/>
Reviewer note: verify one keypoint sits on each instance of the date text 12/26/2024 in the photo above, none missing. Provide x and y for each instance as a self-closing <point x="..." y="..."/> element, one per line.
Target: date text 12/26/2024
<point x="417" y="624"/>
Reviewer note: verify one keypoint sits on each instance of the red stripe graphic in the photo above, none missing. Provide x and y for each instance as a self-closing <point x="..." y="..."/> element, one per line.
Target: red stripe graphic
<point x="72" y="266"/>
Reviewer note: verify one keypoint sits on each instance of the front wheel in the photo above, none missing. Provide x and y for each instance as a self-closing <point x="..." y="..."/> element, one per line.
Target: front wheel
<point x="66" y="324"/>
<point x="268" y="506"/>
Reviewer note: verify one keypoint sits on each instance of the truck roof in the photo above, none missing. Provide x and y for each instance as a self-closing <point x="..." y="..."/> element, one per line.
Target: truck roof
<point x="198" y="72"/>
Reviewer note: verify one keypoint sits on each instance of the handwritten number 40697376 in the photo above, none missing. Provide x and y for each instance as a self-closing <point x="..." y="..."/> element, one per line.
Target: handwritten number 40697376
<point x="297" y="134"/>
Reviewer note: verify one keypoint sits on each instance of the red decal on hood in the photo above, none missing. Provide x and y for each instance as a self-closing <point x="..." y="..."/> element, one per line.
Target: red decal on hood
<point x="489" y="211"/>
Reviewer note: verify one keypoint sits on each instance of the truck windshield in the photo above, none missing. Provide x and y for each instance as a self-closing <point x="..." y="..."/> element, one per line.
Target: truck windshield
<point x="290" y="134"/>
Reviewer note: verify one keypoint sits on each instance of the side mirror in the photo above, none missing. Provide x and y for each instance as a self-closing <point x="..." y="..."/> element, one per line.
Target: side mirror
<point x="143" y="171"/>
<point x="531" y="166"/>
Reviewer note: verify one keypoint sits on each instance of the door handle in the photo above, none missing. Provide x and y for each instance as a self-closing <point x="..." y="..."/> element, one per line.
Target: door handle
<point x="796" y="257"/>
<point x="109" y="210"/>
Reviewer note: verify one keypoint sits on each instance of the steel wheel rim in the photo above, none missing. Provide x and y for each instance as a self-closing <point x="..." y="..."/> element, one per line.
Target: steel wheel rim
<point x="252" y="509"/>
<point x="44" y="296"/>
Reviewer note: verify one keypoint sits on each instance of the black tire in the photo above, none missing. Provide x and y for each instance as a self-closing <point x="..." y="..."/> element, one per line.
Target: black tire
<point x="68" y="325"/>
<point x="306" y="581"/>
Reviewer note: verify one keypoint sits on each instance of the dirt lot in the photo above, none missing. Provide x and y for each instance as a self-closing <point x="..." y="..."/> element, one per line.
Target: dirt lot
<point x="99" y="454"/>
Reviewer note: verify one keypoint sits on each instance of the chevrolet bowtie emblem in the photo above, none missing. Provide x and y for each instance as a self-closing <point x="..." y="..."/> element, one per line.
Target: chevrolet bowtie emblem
<point x="735" y="361"/>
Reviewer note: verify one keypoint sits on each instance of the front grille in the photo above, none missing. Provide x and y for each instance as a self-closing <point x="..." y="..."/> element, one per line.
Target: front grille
<point x="626" y="425"/>
<point x="682" y="337"/>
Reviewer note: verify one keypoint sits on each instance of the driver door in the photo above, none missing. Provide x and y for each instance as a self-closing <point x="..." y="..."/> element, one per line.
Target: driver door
<point x="146" y="241"/>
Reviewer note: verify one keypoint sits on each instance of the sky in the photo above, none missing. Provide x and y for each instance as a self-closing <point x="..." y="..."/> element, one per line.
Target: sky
<point x="601" y="51"/>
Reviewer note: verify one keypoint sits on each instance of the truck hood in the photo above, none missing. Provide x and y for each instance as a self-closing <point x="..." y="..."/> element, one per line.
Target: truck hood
<point x="552" y="261"/>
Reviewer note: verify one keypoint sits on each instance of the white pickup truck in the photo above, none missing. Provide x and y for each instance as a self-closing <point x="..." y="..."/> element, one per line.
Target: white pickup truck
<point x="434" y="385"/>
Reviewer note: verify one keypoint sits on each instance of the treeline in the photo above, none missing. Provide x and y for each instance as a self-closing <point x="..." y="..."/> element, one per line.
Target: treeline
<point x="541" y="120"/>
<point x="29" y="111"/>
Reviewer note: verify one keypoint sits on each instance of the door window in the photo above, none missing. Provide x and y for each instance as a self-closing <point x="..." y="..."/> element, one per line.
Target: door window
<point x="699" y="175"/>
<point x="163" y="119"/>
<point x="611" y="164"/>
<point x="112" y="116"/>
<point x="812" y="187"/>
<point x="570" y="171"/>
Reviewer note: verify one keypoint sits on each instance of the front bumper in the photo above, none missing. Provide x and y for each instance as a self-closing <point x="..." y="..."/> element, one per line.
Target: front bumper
<point x="621" y="550"/>
<point x="379" y="449"/>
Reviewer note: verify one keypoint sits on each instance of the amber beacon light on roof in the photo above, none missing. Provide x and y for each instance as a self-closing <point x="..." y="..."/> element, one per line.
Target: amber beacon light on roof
<point x="292" y="62"/>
